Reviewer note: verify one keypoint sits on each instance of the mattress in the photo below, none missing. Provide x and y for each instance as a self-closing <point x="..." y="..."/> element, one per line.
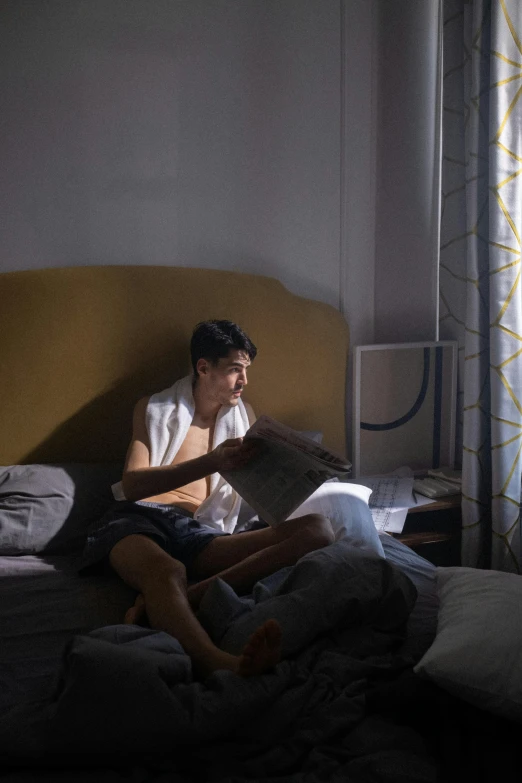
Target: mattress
<point x="43" y="604"/>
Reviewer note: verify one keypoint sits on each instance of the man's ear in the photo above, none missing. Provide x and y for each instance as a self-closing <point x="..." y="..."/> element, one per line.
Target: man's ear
<point x="202" y="366"/>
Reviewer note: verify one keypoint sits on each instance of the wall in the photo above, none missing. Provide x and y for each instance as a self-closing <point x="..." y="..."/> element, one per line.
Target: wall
<point x="191" y="132"/>
<point x="359" y="50"/>
<point x="294" y="138"/>
<point x="390" y="165"/>
<point x="291" y="138"/>
<point x="407" y="216"/>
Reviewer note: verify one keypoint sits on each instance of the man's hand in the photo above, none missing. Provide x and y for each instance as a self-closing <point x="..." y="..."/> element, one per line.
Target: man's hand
<point x="230" y="454"/>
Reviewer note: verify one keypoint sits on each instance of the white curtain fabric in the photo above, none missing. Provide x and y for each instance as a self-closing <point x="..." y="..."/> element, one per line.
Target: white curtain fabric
<point x="480" y="262"/>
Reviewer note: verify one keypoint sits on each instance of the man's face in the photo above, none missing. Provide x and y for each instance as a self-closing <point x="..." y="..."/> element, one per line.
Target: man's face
<point x="223" y="382"/>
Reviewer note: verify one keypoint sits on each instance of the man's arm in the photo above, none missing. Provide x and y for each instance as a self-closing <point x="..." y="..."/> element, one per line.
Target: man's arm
<point x="140" y="480"/>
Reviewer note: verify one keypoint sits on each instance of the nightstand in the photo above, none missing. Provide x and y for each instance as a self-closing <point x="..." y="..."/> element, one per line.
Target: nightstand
<point x="434" y="531"/>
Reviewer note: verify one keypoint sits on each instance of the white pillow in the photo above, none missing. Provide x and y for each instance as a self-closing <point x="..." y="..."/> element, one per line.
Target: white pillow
<point x="477" y="653"/>
<point x="346" y="506"/>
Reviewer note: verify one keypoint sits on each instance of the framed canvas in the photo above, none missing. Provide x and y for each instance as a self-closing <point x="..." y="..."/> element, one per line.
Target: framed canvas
<point x="404" y="406"/>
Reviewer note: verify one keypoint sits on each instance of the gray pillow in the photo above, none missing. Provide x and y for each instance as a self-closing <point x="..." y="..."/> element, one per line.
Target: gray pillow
<point x="47" y="508"/>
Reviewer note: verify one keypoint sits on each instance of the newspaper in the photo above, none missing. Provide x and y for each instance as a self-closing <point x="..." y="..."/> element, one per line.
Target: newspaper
<point x="285" y="469"/>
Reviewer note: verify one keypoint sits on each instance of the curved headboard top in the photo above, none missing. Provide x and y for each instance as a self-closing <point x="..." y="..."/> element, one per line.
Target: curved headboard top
<point x="80" y="345"/>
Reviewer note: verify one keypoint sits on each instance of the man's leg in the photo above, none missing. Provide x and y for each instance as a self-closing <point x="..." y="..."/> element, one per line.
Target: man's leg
<point x="242" y="559"/>
<point x="161" y="580"/>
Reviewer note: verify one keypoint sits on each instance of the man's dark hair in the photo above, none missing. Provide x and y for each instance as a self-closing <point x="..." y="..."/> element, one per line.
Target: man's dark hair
<point x="213" y="340"/>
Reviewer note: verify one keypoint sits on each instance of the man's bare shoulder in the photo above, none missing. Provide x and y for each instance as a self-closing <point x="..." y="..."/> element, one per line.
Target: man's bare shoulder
<point x="142" y="402"/>
<point x="139" y="412"/>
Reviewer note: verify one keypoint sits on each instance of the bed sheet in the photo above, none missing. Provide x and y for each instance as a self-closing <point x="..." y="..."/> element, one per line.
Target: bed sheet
<point x="127" y="691"/>
<point x="423" y="618"/>
<point x="43" y="604"/>
<point x="49" y="649"/>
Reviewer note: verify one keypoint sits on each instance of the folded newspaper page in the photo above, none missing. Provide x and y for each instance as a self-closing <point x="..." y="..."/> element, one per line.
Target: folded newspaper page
<point x="285" y="469"/>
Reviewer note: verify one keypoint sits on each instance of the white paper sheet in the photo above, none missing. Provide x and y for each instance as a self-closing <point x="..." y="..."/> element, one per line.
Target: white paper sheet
<point x="390" y="500"/>
<point x="421" y="500"/>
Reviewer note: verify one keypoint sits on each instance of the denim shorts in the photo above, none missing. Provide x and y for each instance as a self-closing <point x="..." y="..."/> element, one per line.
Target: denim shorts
<point x="173" y="528"/>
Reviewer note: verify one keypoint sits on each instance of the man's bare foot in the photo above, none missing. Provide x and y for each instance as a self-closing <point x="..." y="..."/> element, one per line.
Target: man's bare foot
<point x="136" y="615"/>
<point x="262" y="651"/>
<point x="260" y="654"/>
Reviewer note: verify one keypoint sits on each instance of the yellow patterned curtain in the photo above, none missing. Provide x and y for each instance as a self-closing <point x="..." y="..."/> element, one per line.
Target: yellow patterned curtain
<point x="480" y="288"/>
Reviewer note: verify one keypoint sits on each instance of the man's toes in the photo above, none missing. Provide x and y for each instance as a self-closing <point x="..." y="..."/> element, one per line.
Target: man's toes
<point x="267" y="636"/>
<point x="273" y="633"/>
<point x="262" y="651"/>
<point x="255" y="642"/>
<point x="273" y="641"/>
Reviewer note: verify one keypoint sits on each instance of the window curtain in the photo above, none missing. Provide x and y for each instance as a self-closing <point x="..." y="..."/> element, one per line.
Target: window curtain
<point x="480" y="287"/>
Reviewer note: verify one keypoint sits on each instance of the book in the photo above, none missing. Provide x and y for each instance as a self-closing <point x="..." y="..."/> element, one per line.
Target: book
<point x="285" y="469"/>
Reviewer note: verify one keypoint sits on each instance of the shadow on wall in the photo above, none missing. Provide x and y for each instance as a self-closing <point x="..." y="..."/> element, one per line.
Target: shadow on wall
<point x="102" y="429"/>
<point x="81" y="345"/>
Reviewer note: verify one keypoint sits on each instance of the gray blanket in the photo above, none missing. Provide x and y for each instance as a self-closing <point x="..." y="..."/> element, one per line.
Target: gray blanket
<point x="127" y="690"/>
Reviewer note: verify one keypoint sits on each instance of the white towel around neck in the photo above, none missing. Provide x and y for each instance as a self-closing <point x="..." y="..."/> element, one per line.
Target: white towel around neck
<point x="168" y="418"/>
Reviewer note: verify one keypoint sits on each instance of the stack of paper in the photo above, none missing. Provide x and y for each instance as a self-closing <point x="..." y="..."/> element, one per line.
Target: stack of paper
<point x="390" y="500"/>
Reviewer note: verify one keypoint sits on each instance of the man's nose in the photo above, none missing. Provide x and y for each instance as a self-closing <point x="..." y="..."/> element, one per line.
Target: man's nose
<point x="243" y="378"/>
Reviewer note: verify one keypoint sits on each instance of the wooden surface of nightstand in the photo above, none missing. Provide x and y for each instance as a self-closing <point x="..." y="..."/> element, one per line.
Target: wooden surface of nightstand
<point x="434" y="531"/>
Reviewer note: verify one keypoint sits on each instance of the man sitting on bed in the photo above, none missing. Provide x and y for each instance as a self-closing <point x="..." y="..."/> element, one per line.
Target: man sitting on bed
<point x="171" y="475"/>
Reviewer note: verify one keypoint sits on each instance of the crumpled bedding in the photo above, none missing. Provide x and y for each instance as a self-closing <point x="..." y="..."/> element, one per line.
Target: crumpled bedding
<point x="127" y="692"/>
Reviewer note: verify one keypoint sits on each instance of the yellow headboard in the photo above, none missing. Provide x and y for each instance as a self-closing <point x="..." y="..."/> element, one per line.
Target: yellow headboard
<point x="79" y="346"/>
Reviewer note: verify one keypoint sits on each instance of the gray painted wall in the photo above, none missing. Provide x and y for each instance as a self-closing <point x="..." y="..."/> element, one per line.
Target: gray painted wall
<point x="292" y="138"/>
<point x="407" y="171"/>
<point x="197" y="132"/>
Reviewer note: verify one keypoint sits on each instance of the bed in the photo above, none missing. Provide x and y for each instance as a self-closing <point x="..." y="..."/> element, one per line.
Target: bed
<point x="84" y="697"/>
